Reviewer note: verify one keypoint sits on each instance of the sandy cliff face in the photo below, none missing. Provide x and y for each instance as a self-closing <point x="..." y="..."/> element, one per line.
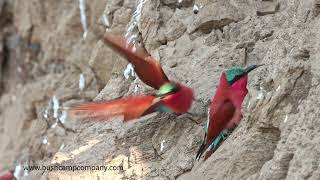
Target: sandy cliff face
<point x="44" y="57"/>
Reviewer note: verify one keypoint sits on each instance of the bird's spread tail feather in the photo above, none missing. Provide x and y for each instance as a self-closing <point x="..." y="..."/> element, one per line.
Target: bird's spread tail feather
<point x="202" y="147"/>
<point x="200" y="151"/>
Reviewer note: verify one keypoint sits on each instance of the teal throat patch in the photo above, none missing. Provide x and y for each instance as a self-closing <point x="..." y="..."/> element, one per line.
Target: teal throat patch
<point x="163" y="108"/>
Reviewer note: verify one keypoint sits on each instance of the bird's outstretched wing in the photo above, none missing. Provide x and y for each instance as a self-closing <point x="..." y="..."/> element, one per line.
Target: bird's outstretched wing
<point x="147" y="68"/>
<point x="130" y="108"/>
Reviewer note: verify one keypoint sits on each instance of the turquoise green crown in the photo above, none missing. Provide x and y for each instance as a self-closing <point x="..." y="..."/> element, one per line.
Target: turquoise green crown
<point x="167" y="88"/>
<point x="233" y="73"/>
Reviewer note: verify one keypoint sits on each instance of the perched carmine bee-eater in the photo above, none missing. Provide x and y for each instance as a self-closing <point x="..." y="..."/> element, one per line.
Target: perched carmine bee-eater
<point x="171" y="96"/>
<point x="225" y="109"/>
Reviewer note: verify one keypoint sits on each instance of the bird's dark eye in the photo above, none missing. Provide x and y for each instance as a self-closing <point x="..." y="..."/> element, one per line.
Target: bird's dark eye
<point x="235" y="78"/>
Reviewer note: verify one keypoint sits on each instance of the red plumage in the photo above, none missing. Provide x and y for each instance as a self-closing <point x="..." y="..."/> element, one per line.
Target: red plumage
<point x="6" y="176"/>
<point x="147" y="68"/>
<point x="225" y="109"/>
<point x="181" y="101"/>
<point x="129" y="107"/>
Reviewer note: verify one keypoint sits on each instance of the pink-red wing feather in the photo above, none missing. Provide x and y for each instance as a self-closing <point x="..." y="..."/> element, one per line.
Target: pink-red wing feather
<point x="6" y="176"/>
<point x="220" y="119"/>
<point x="129" y="107"/>
<point x="147" y="68"/>
<point x="221" y="109"/>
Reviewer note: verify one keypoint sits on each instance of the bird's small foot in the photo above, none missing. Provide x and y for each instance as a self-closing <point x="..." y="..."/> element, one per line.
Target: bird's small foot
<point x="194" y="118"/>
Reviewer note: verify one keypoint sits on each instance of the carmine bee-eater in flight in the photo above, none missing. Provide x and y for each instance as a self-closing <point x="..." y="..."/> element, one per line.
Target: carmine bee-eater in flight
<point x="225" y="109"/>
<point x="171" y="96"/>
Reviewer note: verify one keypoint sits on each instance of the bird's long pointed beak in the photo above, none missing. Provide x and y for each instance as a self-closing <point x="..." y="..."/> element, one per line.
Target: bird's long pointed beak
<point x="252" y="67"/>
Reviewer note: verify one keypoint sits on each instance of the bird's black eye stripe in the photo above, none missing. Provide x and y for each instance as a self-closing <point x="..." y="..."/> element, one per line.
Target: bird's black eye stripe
<point x="236" y="78"/>
<point x="175" y="89"/>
